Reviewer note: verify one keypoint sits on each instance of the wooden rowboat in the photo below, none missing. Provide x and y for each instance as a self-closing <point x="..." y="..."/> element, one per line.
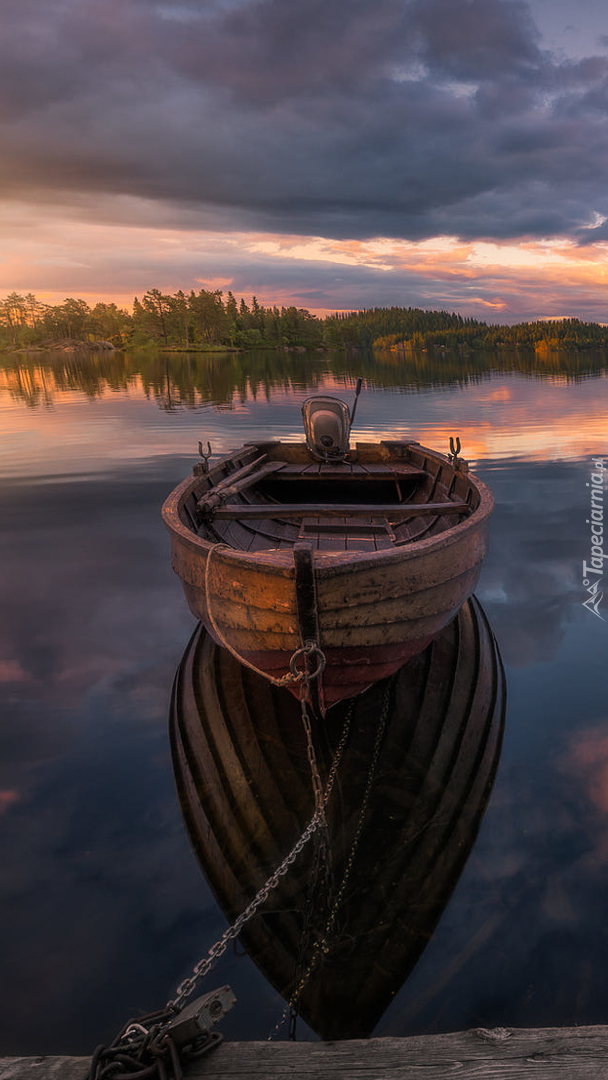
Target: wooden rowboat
<point x="403" y="813"/>
<point x="368" y="554"/>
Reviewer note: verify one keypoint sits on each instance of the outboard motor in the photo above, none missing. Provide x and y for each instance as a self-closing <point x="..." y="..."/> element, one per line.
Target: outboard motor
<point x="327" y="424"/>
<point x="327" y="427"/>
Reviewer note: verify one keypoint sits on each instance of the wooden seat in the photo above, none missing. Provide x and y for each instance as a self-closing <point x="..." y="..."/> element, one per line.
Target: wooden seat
<point x="349" y="471"/>
<point x="346" y="534"/>
<point x="392" y="511"/>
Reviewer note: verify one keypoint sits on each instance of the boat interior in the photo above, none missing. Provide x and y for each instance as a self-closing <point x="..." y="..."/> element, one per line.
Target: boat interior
<point x="274" y="495"/>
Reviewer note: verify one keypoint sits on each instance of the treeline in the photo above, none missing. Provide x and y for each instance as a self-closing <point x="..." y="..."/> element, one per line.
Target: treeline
<point x="209" y="320"/>
<point x="541" y="336"/>
<point x="195" y="320"/>
<point x="384" y="327"/>
<point x="25" y="320"/>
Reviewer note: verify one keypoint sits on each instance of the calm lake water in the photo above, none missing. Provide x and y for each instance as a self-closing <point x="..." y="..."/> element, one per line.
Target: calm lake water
<point x="103" y="908"/>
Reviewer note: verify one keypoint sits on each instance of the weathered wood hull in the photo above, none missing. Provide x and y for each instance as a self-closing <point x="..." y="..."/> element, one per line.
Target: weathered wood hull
<point x="411" y="788"/>
<point x="376" y="606"/>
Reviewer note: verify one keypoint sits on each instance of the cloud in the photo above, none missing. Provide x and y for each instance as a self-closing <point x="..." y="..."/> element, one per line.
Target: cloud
<point x="400" y="118"/>
<point x="55" y="251"/>
<point x="588" y="761"/>
<point x="530" y="586"/>
<point x="478" y="40"/>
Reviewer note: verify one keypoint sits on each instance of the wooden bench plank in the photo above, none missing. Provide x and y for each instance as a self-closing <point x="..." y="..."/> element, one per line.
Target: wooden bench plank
<point x="350" y="472"/>
<point x="392" y="511"/>
<point x="309" y="531"/>
<point x="344" y="534"/>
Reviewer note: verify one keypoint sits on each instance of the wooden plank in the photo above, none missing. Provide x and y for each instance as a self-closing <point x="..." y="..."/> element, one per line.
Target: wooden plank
<point x="354" y="528"/>
<point x="338" y="534"/>
<point x="325" y="535"/>
<point x="309" y="531"/>
<point x="370" y="529"/>
<point x="341" y="469"/>
<point x="43" y="1067"/>
<point x="265" y="538"/>
<point x="578" y="1053"/>
<point x="260" y="542"/>
<point x="330" y="540"/>
<point x="264" y="535"/>
<point x="347" y="621"/>
<point x="237" y="536"/>
<point x="339" y="540"/>
<point x="495" y="1054"/>
<point x="393" y="511"/>
<point x="386" y="538"/>
<point x="383" y="472"/>
<point x="351" y="472"/>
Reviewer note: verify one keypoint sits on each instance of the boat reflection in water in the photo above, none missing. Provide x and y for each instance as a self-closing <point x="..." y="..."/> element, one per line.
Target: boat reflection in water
<point x="417" y="755"/>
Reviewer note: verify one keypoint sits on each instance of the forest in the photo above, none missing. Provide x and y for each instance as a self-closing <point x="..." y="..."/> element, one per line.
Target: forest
<point x="206" y="320"/>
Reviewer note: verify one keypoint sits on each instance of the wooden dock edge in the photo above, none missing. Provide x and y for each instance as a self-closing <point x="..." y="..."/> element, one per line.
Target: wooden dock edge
<point x="579" y="1053"/>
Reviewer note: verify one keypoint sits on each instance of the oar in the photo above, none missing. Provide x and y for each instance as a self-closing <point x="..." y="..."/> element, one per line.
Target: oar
<point x="231" y="485"/>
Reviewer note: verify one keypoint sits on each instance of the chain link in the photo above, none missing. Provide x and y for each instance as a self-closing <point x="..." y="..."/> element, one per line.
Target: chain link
<point x="204" y="965"/>
<point x="320" y="891"/>
<point x="290" y="1013"/>
<point x="317" y="784"/>
<point x="321" y="947"/>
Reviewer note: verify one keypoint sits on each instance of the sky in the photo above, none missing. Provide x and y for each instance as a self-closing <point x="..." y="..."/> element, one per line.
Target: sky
<point x="335" y="154"/>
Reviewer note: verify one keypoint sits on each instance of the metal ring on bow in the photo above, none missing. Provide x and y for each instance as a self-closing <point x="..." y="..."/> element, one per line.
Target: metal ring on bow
<point x="309" y="650"/>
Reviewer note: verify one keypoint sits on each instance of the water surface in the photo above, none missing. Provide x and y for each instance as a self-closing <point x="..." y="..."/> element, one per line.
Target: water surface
<point x="103" y="907"/>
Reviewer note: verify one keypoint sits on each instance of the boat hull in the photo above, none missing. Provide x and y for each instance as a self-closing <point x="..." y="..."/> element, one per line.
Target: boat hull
<point x="373" y="610"/>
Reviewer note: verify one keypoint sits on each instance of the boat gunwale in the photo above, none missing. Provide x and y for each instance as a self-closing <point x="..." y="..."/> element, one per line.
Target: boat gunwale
<point x="281" y="559"/>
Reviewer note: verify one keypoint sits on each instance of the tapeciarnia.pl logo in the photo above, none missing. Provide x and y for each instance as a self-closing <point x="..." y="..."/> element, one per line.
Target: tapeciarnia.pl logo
<point x="593" y="571"/>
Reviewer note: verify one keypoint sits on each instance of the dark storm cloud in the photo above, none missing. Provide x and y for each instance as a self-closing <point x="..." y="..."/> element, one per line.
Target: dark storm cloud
<point x="477" y="40"/>
<point x="392" y="117"/>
